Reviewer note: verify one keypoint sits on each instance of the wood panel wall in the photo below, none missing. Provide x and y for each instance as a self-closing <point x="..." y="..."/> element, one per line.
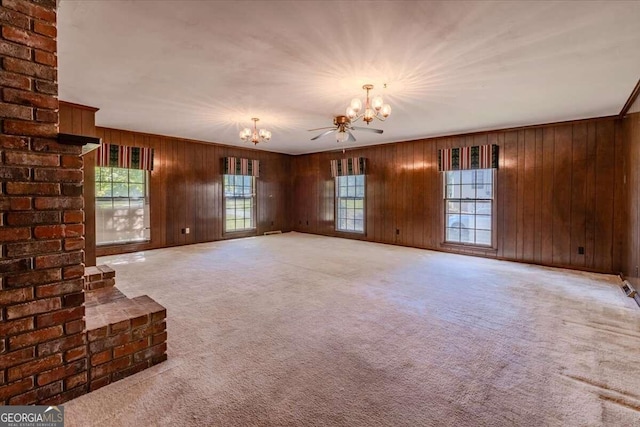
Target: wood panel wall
<point x="631" y="237"/>
<point x="80" y="120"/>
<point x="558" y="189"/>
<point x="186" y="190"/>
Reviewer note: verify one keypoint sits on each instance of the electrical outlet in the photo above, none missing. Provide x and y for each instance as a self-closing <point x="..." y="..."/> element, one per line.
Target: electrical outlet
<point x="186" y="230"/>
<point x="580" y="250"/>
<point x="397" y="231"/>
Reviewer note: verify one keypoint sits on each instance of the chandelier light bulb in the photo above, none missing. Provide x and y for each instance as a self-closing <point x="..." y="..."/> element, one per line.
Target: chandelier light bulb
<point x="342" y="136"/>
<point x="385" y="110"/>
<point x="356" y="105"/>
<point x="377" y="102"/>
<point x="351" y="113"/>
<point x="369" y="114"/>
<point x="263" y="133"/>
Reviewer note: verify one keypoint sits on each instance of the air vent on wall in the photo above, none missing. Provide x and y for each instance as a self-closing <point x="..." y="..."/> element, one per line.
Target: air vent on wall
<point x="630" y="292"/>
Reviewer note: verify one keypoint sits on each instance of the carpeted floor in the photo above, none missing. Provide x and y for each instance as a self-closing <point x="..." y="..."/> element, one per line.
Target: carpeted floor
<point x="304" y="330"/>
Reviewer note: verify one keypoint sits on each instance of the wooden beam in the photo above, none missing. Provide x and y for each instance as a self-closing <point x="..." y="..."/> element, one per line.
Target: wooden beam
<point x="83" y="107"/>
<point x="631" y="100"/>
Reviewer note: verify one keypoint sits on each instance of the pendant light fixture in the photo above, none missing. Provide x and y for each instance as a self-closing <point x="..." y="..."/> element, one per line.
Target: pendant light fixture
<point x="373" y="108"/>
<point x="255" y="136"/>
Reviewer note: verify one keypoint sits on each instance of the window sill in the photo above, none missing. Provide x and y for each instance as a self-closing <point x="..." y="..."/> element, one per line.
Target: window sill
<point x="128" y="242"/>
<point x="240" y="233"/>
<point x="359" y="233"/>
<point x="469" y="247"/>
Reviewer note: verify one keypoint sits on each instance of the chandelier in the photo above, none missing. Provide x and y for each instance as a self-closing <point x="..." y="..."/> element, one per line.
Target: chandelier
<point x="374" y="108"/>
<point x="254" y="135"/>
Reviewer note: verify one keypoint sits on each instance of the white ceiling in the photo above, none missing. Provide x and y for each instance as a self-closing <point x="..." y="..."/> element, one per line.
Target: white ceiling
<point x="201" y="70"/>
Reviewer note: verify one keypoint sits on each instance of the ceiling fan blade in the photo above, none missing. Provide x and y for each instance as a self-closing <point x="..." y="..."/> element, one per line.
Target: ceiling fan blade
<point x="328" y="127"/>
<point x="323" y="134"/>
<point x="351" y="137"/>
<point x="367" y="129"/>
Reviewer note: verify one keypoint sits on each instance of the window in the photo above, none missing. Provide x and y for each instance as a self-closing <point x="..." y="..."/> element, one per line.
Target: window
<point x="469" y="206"/>
<point x="239" y="204"/>
<point x="122" y="205"/>
<point x="350" y="203"/>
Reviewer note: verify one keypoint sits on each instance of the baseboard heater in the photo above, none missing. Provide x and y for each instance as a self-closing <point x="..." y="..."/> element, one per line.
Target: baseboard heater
<point x="630" y="292"/>
<point x="266" y="233"/>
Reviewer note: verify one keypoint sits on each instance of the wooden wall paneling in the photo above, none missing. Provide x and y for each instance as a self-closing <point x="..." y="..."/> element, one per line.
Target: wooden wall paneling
<point x="185" y="189"/>
<point x="88" y="123"/>
<point x="590" y="201"/>
<point x="509" y="192"/>
<point x="391" y="183"/>
<point x="155" y="186"/>
<point x="528" y="179"/>
<point x="538" y="187"/>
<point x="371" y="195"/>
<point x="312" y="190"/>
<point x="520" y="195"/>
<point x="561" y="207"/>
<point x="410" y="193"/>
<point x="605" y="145"/>
<point x="401" y="201"/>
<point x="578" y="194"/>
<point x="200" y="220"/>
<point x="172" y="194"/>
<point x="548" y="156"/>
<point x="76" y="117"/>
<point x="631" y="127"/>
<point x="65" y="118"/>
<point x="621" y="207"/>
<point x="418" y="192"/>
<point x="375" y="175"/>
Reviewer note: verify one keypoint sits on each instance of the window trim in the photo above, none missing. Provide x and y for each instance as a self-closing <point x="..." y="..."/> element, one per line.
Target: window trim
<point x="147" y="202"/>
<point x="336" y="207"/>
<point x="254" y="211"/>
<point x="493" y="247"/>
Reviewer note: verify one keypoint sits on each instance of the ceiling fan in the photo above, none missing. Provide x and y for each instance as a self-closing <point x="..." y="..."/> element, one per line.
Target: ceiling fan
<point x="342" y="125"/>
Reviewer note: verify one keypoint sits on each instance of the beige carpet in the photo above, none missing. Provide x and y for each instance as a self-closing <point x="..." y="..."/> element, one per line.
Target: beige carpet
<point x="297" y="329"/>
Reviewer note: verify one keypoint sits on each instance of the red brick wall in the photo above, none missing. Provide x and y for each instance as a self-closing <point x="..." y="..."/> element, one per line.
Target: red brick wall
<point x="43" y="351"/>
<point x="125" y="347"/>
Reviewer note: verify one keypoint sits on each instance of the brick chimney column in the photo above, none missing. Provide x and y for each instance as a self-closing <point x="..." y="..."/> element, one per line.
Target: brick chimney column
<point x="43" y="353"/>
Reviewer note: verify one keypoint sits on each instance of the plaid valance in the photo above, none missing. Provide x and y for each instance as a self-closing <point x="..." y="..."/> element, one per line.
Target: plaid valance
<point x="463" y="158"/>
<point x="121" y="156"/>
<point x="350" y="166"/>
<point x="238" y="166"/>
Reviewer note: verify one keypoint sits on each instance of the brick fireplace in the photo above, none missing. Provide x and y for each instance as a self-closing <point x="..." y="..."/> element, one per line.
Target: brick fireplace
<point x="47" y="354"/>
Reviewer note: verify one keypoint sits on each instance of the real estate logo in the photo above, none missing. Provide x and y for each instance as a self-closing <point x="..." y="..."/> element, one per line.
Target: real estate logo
<point x="32" y="416"/>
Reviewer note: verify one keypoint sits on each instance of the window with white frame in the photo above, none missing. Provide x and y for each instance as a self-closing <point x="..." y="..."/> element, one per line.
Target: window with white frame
<point x="122" y="205"/>
<point x="350" y="201"/>
<point x="469" y="206"/>
<point x="239" y="203"/>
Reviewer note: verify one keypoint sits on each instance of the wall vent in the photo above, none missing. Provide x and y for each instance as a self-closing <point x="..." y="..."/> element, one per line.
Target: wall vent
<point x="628" y="289"/>
<point x="266" y="233"/>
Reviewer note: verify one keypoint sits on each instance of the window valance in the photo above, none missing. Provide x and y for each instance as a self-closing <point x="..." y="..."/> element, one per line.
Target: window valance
<point x="238" y="166"/>
<point x="463" y="158"/>
<point x="121" y="156"/>
<point x="350" y="166"/>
